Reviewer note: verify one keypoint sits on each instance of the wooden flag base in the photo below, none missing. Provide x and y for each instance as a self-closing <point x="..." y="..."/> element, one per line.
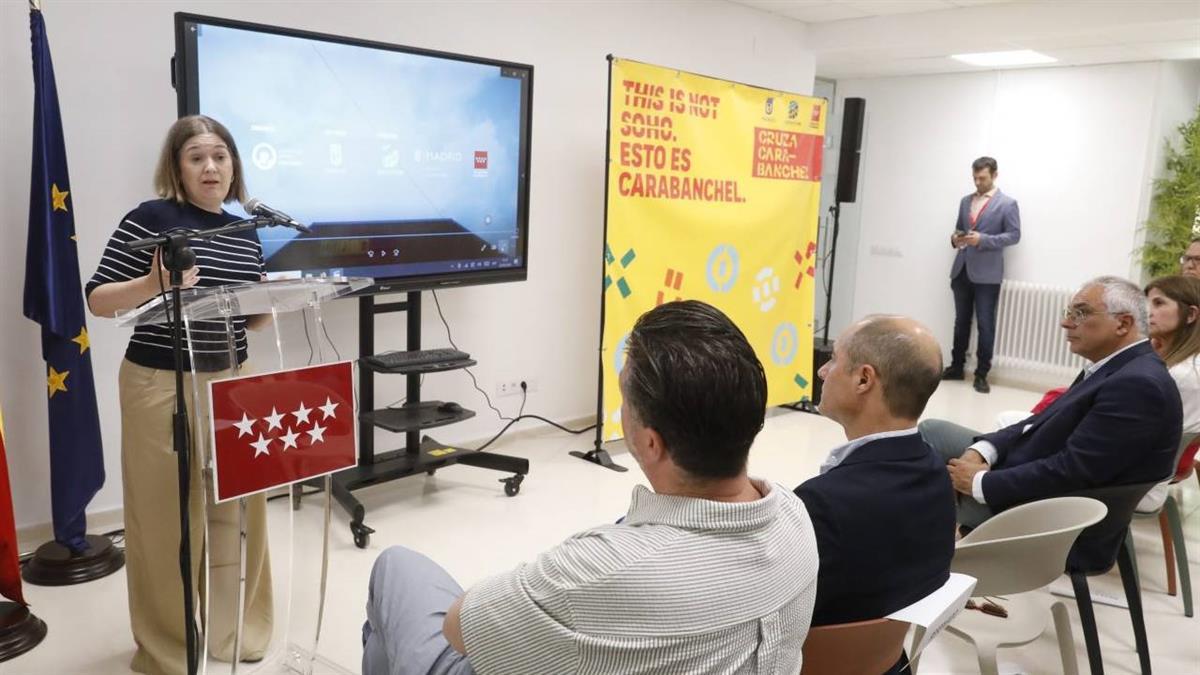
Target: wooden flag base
<point x="20" y="630"/>
<point x="54" y="565"/>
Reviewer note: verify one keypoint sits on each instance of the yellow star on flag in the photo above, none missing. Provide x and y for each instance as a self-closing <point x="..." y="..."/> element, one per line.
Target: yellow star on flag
<point x="58" y="197"/>
<point x="57" y="381"/>
<point x="82" y="339"/>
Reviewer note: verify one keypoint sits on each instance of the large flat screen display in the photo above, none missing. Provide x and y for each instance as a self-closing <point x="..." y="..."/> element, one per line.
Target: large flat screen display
<point x="409" y="166"/>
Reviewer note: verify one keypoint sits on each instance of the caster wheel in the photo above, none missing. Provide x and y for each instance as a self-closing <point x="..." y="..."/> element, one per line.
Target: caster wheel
<point x="512" y="485"/>
<point x="362" y="534"/>
<point x="430" y="472"/>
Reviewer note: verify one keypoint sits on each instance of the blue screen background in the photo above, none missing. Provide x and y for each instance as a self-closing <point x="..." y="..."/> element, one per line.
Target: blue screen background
<point x="331" y="132"/>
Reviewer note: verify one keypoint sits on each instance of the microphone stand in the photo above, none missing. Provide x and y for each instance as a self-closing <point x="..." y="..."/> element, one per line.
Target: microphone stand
<point x="176" y="255"/>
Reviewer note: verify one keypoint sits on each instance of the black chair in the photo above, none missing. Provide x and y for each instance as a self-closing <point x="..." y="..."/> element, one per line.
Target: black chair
<point x="1095" y="551"/>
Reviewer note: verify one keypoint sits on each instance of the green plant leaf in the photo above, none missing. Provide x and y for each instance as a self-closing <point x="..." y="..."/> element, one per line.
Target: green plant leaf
<point x="1175" y="207"/>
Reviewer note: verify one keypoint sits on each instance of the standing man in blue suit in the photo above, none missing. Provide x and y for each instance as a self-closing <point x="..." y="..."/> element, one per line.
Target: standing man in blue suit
<point x="1118" y="424"/>
<point x="988" y="221"/>
<point x="882" y="506"/>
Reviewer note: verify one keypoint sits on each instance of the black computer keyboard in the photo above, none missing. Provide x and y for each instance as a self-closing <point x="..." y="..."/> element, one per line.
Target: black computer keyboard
<point x="425" y="357"/>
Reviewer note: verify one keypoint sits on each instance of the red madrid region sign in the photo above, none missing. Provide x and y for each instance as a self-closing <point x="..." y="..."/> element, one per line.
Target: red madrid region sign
<point x="282" y="427"/>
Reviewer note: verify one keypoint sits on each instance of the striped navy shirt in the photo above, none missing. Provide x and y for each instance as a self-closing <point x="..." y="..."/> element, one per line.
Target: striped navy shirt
<point x="228" y="259"/>
<point x="682" y="585"/>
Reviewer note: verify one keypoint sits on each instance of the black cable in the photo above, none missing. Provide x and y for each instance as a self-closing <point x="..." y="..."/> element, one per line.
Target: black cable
<point x="524" y="394"/>
<point x="117" y="537"/>
<point x="822" y="260"/>
<point x="304" y="320"/>
<point x="444" y="323"/>
<point x="837" y="213"/>
<point x="486" y="397"/>
<point x="534" y="417"/>
<point x="330" y="340"/>
<point x="474" y="381"/>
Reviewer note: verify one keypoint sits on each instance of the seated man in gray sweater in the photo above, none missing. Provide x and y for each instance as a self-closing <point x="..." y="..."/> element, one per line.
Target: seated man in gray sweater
<point x="711" y="571"/>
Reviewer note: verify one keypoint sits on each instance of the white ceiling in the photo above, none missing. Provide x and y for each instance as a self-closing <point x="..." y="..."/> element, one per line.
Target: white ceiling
<point x="820" y="11"/>
<point x="858" y="38"/>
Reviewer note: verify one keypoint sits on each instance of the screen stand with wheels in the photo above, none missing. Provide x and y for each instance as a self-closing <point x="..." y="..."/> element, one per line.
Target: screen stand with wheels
<point x="420" y="454"/>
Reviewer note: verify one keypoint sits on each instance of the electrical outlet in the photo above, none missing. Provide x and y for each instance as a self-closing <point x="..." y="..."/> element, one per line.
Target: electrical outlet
<point x="508" y="388"/>
<point x="513" y="387"/>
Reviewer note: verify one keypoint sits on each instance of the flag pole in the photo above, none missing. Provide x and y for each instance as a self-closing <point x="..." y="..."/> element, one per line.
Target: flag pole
<point x="20" y="630"/>
<point x="54" y="299"/>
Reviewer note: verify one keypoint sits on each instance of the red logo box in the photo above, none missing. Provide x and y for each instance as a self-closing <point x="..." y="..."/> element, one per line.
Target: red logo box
<point x="279" y="428"/>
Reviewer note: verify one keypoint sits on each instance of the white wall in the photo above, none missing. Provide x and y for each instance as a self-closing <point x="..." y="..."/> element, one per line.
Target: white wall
<point x="111" y="60"/>
<point x="1074" y="147"/>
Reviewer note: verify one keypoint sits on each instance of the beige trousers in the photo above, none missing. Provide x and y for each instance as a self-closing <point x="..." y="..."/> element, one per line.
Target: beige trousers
<point x="150" y="476"/>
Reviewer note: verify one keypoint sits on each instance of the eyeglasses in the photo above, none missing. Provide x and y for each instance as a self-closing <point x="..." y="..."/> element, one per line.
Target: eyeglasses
<point x="1193" y="259"/>
<point x="1076" y="315"/>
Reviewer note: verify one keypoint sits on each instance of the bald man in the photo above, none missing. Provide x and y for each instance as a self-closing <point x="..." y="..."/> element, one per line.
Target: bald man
<point x="882" y="506"/>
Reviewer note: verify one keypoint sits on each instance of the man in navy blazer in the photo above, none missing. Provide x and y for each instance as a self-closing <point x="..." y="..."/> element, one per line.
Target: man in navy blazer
<point x="988" y="221"/>
<point x="1118" y="424"/>
<point x="882" y="507"/>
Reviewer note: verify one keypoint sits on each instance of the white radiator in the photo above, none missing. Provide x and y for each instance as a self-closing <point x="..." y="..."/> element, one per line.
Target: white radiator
<point x="1028" y="336"/>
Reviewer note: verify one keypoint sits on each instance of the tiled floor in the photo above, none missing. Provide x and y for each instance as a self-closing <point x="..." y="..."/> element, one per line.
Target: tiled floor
<point x="461" y="518"/>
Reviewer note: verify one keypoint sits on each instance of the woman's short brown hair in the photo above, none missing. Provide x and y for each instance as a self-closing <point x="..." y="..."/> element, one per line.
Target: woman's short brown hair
<point x="1185" y="291"/>
<point x="168" y="182"/>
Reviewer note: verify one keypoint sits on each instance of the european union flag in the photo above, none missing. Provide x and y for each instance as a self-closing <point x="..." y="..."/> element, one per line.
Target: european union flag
<point x="54" y="299"/>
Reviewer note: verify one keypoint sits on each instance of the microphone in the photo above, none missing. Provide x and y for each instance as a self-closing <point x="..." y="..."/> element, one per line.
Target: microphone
<point x="255" y="207"/>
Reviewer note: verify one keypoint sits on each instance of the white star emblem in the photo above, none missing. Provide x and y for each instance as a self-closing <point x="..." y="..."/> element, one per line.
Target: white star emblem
<point x="328" y="408"/>
<point x="273" y="420"/>
<point x="245" y="427"/>
<point x="289" y="439"/>
<point x="301" y="414"/>
<point x="317" y="433"/>
<point x="260" y="446"/>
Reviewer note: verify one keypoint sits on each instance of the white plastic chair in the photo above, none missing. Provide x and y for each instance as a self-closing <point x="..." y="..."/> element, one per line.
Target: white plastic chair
<point x="874" y="646"/>
<point x="1016" y="554"/>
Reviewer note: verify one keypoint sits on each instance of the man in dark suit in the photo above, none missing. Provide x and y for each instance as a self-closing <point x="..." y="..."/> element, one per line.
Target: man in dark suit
<point x="882" y="507"/>
<point x="988" y="221"/>
<point x="1118" y="424"/>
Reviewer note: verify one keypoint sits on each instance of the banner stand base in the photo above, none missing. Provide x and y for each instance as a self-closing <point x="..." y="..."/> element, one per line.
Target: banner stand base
<point x="55" y="565"/>
<point x="599" y="456"/>
<point x="20" y="630"/>
<point x="804" y="406"/>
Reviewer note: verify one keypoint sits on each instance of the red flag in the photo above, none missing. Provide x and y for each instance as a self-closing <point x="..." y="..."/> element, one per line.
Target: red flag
<point x="279" y="428"/>
<point x="10" y="566"/>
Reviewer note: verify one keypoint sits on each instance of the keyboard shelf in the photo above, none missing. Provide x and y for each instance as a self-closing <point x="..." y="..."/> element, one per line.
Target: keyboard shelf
<point x="418" y="369"/>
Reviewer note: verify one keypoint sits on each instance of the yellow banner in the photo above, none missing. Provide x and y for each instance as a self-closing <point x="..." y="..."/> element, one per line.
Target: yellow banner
<point x="713" y="191"/>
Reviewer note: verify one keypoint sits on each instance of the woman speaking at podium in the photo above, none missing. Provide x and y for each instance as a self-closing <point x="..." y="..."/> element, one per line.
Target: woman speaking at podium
<point x="198" y="170"/>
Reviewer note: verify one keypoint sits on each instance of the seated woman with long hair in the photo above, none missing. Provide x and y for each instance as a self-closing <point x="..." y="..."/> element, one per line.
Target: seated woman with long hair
<point x="1175" y="334"/>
